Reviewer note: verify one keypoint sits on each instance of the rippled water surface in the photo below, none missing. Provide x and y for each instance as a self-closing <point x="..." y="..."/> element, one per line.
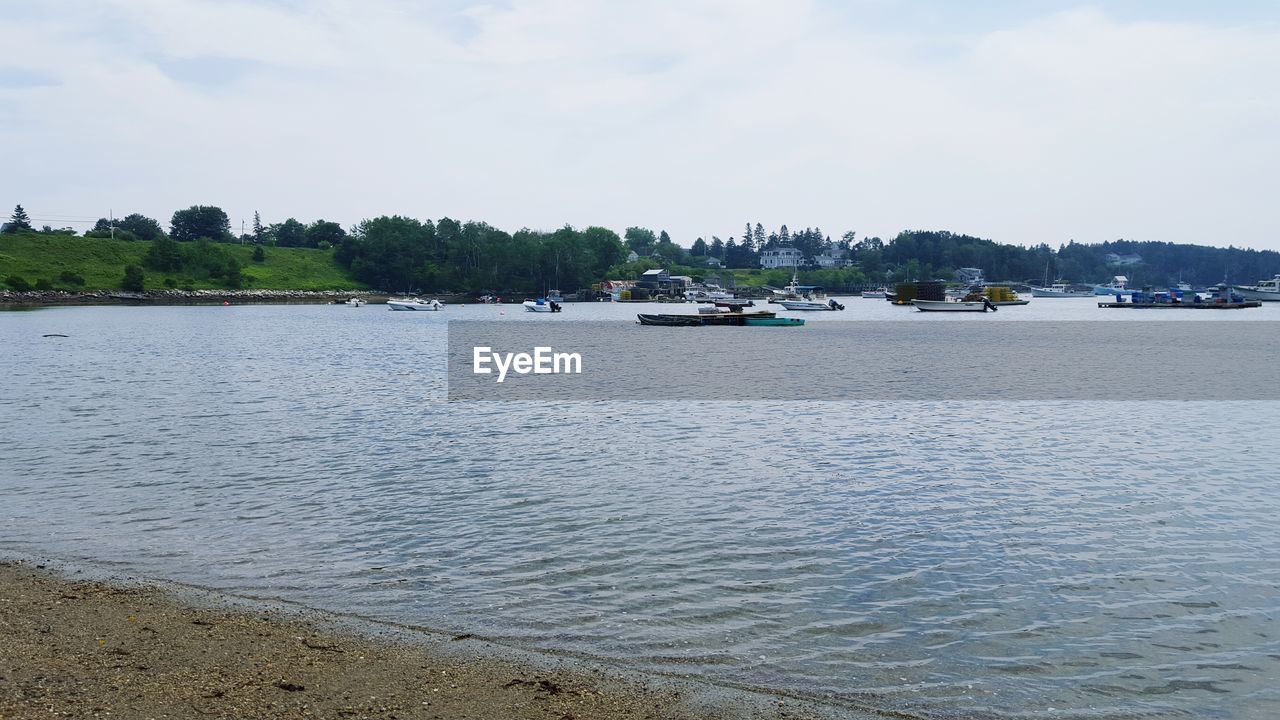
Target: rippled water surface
<point x="1064" y="560"/>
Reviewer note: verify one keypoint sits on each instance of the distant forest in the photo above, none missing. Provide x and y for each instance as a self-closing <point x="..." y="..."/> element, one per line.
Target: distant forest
<point x="402" y="254"/>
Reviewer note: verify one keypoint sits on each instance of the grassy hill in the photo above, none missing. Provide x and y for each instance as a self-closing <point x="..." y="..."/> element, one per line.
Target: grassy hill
<point x="101" y="263"/>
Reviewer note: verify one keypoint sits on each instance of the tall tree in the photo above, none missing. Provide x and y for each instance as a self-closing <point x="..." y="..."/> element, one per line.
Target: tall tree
<point x="699" y="248"/>
<point x="258" y="230"/>
<point x="641" y="240"/>
<point x="717" y="248"/>
<point x="18" y="221"/>
<point x="290" y="233"/>
<point x="760" y="238"/>
<point x="324" y="231"/>
<point x="200" y="221"/>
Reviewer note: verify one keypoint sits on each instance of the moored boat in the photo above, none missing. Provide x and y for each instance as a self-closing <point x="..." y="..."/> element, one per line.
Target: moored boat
<point x="713" y="318"/>
<point x="982" y="305"/>
<point x="1265" y="290"/>
<point x="1116" y="287"/>
<point x="878" y="294"/>
<point x="774" y="321"/>
<point x="355" y="302"/>
<point x="414" y="304"/>
<point x="541" y="305"/>
<point x="810" y="305"/>
<point x="1057" y="290"/>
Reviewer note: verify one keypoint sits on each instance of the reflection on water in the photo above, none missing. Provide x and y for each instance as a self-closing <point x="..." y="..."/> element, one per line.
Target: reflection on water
<point x="1101" y="559"/>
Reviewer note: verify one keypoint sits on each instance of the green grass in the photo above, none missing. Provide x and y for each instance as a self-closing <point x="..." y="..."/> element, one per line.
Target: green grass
<point x="101" y="262"/>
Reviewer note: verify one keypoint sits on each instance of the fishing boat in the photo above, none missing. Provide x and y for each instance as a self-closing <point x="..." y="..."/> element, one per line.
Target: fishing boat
<point x="541" y="305"/>
<point x="704" y="318"/>
<point x="1265" y="290"/>
<point x="1056" y="290"/>
<point x="810" y="305"/>
<point x="414" y="304"/>
<point x="1116" y="287"/>
<point x="982" y="305"/>
<point x="878" y="294"/>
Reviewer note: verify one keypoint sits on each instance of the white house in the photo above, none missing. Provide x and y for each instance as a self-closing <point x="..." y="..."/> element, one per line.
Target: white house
<point x="970" y="276"/>
<point x="782" y="257"/>
<point x="714" y="262"/>
<point x="632" y="256"/>
<point x="827" y="260"/>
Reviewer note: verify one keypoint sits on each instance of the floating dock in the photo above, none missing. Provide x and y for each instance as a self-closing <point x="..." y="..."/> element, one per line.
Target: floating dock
<point x="1184" y="305"/>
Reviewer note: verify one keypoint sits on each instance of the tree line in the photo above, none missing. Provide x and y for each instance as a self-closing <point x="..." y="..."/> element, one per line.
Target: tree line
<point x="400" y="254"/>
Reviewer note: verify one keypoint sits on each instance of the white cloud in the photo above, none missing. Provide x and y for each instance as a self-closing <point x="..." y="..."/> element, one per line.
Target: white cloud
<point x="691" y="116"/>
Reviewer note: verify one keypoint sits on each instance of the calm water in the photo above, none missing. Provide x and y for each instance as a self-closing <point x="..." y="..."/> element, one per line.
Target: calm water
<point x="1060" y="560"/>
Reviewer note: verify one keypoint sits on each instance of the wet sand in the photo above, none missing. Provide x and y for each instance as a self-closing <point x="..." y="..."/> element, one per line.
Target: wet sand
<point x="85" y="648"/>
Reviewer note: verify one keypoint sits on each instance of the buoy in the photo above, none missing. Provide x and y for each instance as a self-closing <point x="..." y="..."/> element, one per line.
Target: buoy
<point x="226" y="302"/>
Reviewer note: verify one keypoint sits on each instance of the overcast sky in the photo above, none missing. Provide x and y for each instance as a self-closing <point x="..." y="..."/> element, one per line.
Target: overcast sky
<point x="1022" y="121"/>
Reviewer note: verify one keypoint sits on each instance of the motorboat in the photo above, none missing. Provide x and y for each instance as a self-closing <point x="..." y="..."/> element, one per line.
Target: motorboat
<point x="874" y="294"/>
<point x="414" y="304"/>
<point x="810" y="305"/>
<point x="705" y="318"/>
<point x="1116" y="287"/>
<point x="982" y="305"/>
<point x="541" y="305"/>
<point x="356" y="302"/>
<point x="1057" y="290"/>
<point x="1266" y="290"/>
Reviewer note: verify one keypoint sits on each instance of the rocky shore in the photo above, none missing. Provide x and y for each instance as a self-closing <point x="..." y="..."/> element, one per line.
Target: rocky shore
<point x="182" y="297"/>
<point x="85" y="649"/>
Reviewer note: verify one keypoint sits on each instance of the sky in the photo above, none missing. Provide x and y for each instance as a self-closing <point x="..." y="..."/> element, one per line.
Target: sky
<point x="1020" y="121"/>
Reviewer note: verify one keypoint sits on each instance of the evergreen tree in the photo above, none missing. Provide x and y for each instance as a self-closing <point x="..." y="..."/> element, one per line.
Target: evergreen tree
<point x="760" y="237"/>
<point x="258" y="230"/>
<point x="18" y="221"/>
<point x="134" y="279"/>
<point x="784" y="237"/>
<point x="717" y="248"/>
<point x="699" y="248"/>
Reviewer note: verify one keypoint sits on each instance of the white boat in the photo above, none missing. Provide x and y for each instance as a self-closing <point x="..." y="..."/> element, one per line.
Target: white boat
<point x="1116" y="287"/>
<point x="710" y="293"/>
<point x="810" y="305"/>
<point x="355" y="302"/>
<point x="541" y="305"/>
<point x="954" y="305"/>
<point x="554" y="295"/>
<point x="874" y="294"/>
<point x="1057" y="290"/>
<point x="414" y="304"/>
<point x="1267" y="290"/>
<point x="803" y="297"/>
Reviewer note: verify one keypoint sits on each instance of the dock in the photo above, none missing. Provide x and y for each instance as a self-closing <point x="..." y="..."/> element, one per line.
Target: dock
<point x="1184" y="306"/>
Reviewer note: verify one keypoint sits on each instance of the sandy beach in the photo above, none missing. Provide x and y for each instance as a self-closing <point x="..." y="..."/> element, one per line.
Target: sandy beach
<point x="85" y="649"/>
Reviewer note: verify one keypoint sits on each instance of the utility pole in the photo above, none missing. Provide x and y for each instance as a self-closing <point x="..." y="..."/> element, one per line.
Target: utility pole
<point x="242" y="231"/>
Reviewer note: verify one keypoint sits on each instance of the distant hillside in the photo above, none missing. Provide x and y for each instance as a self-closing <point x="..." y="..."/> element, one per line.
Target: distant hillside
<point x="927" y="254"/>
<point x="62" y="261"/>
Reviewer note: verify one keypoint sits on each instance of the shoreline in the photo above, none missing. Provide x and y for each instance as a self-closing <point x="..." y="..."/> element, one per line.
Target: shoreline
<point x="56" y="298"/>
<point x="138" y="648"/>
